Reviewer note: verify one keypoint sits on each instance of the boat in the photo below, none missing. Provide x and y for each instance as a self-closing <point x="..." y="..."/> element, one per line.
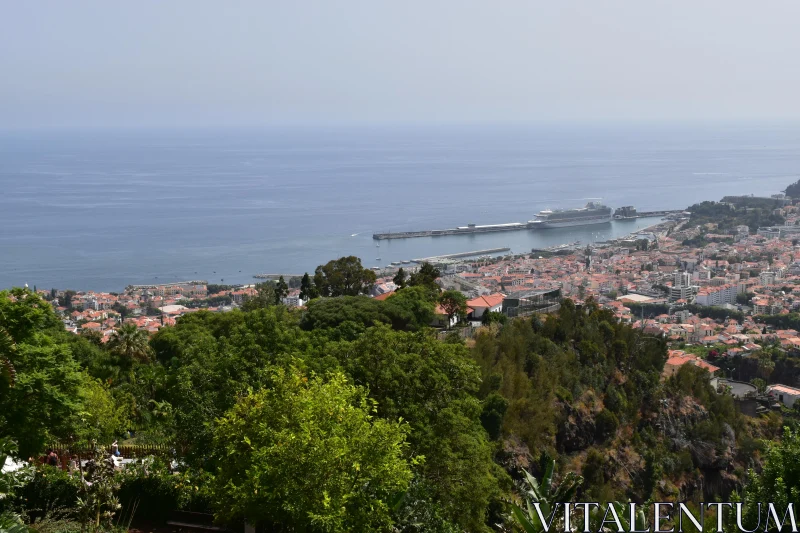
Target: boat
<point x="594" y="213"/>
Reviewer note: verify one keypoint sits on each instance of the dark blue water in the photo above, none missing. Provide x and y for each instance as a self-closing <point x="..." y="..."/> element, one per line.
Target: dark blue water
<point x="100" y="210"/>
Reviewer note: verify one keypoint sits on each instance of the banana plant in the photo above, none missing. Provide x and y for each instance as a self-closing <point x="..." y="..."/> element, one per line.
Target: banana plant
<point x="11" y="523"/>
<point x="546" y="495"/>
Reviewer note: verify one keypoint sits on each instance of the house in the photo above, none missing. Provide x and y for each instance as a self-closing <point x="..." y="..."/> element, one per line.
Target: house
<point x="784" y="394"/>
<point x="241" y="295"/>
<point x="294" y="300"/>
<point x="678" y="358"/>
<point x="484" y="304"/>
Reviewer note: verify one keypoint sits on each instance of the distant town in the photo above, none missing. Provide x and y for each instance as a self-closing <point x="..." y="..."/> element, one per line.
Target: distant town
<point x="712" y="280"/>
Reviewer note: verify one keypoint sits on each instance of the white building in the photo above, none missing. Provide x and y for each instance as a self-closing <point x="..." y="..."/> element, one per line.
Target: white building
<point x="784" y="394"/>
<point x="293" y="301"/>
<point x="722" y="294"/>
<point x="681" y="286"/>
<point x="767" y="278"/>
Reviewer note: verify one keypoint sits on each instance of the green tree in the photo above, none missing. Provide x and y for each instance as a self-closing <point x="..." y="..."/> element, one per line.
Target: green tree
<point x="492" y="317"/>
<point x="102" y="419"/>
<point x="413" y="305"/>
<point x="68" y="296"/>
<point x="793" y="190"/>
<point x="779" y="480"/>
<point x="7" y="349"/>
<point x="425" y="276"/>
<point x="454" y="304"/>
<point x="266" y="296"/>
<point x="433" y="386"/>
<point x="121" y="309"/>
<point x="344" y="277"/>
<point x="44" y="402"/>
<point x="281" y="290"/>
<point x="307" y="288"/>
<point x="399" y="279"/>
<point x="129" y="343"/>
<point x="309" y="455"/>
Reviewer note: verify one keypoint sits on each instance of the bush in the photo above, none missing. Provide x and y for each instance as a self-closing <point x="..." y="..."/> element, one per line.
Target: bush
<point x="149" y="487"/>
<point x="606" y="425"/>
<point x="57" y="525"/>
<point x="154" y="492"/>
<point x="685" y="463"/>
<point x="50" y="491"/>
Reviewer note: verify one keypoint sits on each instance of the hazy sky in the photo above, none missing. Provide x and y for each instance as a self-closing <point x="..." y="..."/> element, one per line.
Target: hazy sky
<point x="199" y="62"/>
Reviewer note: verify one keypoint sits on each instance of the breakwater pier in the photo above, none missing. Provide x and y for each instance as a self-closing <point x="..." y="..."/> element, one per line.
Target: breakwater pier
<point x="460" y="255"/>
<point x="471" y="229"/>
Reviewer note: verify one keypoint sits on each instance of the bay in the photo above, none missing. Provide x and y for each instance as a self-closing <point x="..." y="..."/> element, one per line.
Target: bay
<point x="103" y="209"/>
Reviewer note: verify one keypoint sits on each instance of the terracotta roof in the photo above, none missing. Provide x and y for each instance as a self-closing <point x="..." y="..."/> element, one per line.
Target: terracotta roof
<point x="680" y="358"/>
<point x="490" y="300"/>
<point x="785" y="389"/>
<point x="385" y="295"/>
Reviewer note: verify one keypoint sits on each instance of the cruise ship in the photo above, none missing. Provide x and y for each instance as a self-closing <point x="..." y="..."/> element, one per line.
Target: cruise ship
<point x="593" y="213"/>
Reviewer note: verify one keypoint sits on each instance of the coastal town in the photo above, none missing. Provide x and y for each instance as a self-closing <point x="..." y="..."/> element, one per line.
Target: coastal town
<point x="712" y="290"/>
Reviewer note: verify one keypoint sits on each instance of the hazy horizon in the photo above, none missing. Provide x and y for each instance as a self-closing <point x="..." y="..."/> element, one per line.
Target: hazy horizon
<point x="94" y="64"/>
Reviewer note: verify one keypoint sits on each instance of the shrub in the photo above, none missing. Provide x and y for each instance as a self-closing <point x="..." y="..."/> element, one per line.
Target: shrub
<point x="50" y="491"/>
<point x="154" y="492"/>
<point x="606" y="424"/>
<point x="149" y="488"/>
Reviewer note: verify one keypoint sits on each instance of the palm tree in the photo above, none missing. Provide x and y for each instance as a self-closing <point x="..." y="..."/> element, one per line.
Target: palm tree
<point x="7" y="348"/>
<point x="129" y="343"/>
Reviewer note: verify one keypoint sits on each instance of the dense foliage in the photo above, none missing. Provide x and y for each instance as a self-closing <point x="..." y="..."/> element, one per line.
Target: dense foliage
<point x="352" y="415"/>
<point x="727" y="217"/>
<point x="307" y="454"/>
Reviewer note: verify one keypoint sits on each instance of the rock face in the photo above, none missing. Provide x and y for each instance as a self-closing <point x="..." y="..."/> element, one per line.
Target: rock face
<point x="515" y="456"/>
<point x="715" y="460"/>
<point x="576" y="432"/>
<point x="677" y="415"/>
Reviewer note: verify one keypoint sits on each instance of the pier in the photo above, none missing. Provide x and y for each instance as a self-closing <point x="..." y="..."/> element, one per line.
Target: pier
<point x="277" y="276"/>
<point x="471" y="229"/>
<point x="461" y="230"/>
<point x="461" y="254"/>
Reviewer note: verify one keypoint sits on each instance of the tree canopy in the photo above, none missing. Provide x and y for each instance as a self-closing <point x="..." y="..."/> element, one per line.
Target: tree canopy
<point x="343" y="277"/>
<point x="309" y="452"/>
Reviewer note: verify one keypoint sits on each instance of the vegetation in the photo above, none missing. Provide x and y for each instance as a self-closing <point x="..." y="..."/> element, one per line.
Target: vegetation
<point x="343" y="277"/>
<point x="350" y="414"/>
<point x="271" y="441"/>
<point x="793" y="190"/>
<point x="454" y="304"/>
<point x="726" y="217"/>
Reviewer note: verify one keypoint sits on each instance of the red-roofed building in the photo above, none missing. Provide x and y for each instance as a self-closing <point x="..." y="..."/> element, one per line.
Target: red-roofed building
<point x="384" y="295"/>
<point x="678" y="358"/>
<point x="484" y="304"/>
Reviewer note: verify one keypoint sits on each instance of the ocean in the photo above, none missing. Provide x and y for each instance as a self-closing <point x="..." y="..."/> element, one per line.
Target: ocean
<point x="98" y="210"/>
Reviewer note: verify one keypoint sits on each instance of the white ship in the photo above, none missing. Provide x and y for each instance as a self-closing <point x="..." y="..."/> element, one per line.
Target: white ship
<point x="594" y="213"/>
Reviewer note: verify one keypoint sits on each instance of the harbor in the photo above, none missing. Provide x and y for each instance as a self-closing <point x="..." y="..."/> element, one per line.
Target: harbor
<point x="472" y="229"/>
